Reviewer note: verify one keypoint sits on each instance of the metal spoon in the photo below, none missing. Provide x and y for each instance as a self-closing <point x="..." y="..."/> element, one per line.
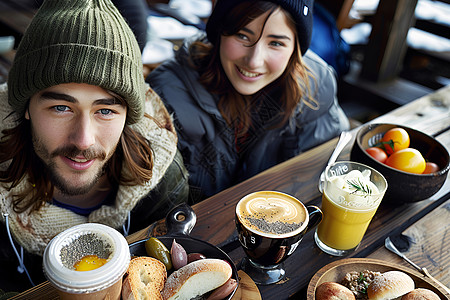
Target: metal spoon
<point x="344" y="138"/>
<point x="390" y="246"/>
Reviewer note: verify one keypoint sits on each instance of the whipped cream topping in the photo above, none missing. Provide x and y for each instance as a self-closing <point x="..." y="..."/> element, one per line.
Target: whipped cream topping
<point x="354" y="189"/>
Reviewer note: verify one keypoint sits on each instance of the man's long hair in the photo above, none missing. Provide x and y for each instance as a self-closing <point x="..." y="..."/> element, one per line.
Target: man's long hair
<point x="133" y="152"/>
<point x="234" y="107"/>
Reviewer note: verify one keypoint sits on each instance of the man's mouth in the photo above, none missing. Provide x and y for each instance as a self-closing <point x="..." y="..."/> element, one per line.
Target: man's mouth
<point x="248" y="74"/>
<point x="79" y="160"/>
<point x="78" y="163"/>
<point x="76" y="156"/>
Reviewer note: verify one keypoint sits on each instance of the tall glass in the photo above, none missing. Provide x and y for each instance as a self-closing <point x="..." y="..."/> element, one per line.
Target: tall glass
<point x="351" y="195"/>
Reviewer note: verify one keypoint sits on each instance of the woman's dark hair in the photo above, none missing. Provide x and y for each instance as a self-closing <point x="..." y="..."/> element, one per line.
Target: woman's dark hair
<point x="234" y="107"/>
<point x="16" y="148"/>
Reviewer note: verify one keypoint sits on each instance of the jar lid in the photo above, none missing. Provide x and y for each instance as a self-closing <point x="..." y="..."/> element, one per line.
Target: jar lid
<point x="76" y="242"/>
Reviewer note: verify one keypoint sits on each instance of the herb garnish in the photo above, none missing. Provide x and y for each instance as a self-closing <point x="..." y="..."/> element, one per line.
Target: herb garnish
<point x="362" y="280"/>
<point x="383" y="145"/>
<point x="359" y="186"/>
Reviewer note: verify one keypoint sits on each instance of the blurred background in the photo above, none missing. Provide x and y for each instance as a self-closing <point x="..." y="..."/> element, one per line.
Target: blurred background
<point x="386" y="53"/>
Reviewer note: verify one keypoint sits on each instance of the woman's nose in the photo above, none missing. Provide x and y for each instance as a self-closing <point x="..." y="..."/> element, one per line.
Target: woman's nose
<point x="83" y="133"/>
<point x="255" y="56"/>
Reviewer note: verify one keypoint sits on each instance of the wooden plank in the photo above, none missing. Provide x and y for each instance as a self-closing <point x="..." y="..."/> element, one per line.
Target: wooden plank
<point x="343" y="20"/>
<point x="431" y="26"/>
<point x="428" y="246"/>
<point x="431" y="114"/>
<point x="397" y="91"/>
<point x="387" y="46"/>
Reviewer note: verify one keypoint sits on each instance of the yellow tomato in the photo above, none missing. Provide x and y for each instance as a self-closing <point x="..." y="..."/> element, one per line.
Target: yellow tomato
<point x="408" y="160"/>
<point x="89" y="262"/>
<point x="398" y="138"/>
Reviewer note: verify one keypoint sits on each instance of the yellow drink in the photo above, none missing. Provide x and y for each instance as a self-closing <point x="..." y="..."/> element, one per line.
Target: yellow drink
<point x="343" y="228"/>
<point x="351" y="195"/>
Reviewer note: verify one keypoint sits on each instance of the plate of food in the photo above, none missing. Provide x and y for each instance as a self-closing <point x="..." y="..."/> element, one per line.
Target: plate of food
<point x="190" y="268"/>
<point x="358" y="274"/>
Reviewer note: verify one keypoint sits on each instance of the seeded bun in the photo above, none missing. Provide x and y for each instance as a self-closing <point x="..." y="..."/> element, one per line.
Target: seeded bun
<point x="421" y="294"/>
<point x="333" y="291"/>
<point x="390" y="285"/>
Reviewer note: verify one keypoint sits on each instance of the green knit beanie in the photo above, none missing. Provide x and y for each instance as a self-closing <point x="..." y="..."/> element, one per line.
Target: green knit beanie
<point x="79" y="41"/>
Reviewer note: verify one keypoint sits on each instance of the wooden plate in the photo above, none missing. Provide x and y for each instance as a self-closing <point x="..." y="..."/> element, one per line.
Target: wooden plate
<point x="247" y="289"/>
<point x="336" y="271"/>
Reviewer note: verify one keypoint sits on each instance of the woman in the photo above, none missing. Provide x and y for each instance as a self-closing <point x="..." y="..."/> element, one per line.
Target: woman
<point x="248" y="95"/>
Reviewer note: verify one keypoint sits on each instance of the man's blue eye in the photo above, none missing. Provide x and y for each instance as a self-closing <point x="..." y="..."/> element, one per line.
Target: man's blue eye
<point x="105" y="111"/>
<point x="61" y="108"/>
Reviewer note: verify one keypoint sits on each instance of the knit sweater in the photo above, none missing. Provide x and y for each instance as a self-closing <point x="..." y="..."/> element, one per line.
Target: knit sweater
<point x="34" y="230"/>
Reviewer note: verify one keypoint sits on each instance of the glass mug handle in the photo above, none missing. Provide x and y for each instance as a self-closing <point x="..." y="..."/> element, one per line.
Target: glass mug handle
<point x="315" y="216"/>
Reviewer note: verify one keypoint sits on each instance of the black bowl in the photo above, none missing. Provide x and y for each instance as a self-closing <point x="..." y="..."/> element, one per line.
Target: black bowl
<point x="404" y="187"/>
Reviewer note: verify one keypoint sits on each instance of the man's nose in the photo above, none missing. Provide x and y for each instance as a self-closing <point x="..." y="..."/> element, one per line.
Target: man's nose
<point x="83" y="133"/>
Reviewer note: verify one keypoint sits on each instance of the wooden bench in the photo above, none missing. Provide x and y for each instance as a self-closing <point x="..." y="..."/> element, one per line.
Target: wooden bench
<point x="15" y="16"/>
<point x="382" y="72"/>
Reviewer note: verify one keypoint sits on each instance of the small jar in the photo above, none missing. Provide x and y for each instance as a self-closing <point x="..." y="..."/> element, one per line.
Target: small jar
<point x="70" y="246"/>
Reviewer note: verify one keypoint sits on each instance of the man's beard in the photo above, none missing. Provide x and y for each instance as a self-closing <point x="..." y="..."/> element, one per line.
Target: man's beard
<point x="61" y="183"/>
<point x="65" y="188"/>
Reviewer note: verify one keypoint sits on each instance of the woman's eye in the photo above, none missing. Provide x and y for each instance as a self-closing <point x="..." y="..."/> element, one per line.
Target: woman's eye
<point x="242" y="36"/>
<point x="276" y="44"/>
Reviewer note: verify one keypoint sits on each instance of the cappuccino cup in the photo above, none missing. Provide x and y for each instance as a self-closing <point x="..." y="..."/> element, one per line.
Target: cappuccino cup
<point x="270" y="227"/>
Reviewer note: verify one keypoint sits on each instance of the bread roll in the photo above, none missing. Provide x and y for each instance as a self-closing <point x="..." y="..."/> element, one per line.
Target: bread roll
<point x="390" y="285"/>
<point x="196" y="278"/>
<point x="144" y="279"/>
<point x="333" y="291"/>
<point x="421" y="294"/>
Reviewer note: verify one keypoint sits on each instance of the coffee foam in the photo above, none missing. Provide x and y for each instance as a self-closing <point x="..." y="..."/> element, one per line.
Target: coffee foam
<point x="272" y="208"/>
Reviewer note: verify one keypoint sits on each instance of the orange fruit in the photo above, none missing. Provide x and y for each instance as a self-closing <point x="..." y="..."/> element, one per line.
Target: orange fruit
<point x="395" y="139"/>
<point x="408" y="160"/>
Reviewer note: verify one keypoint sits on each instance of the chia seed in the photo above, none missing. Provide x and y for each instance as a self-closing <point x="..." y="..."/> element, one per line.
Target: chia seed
<point x="87" y="244"/>
<point x="277" y="227"/>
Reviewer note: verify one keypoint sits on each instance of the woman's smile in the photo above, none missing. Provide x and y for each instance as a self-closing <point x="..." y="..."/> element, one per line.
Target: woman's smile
<point x="258" y="54"/>
<point x="247" y="73"/>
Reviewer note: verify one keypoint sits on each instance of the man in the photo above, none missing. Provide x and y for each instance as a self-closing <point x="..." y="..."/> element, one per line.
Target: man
<point x="84" y="139"/>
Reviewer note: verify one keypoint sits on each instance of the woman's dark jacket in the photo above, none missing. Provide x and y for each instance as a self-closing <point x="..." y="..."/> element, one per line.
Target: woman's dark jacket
<point x="208" y="144"/>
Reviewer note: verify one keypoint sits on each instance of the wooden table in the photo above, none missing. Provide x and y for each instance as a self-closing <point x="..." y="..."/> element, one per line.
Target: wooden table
<point x="426" y="222"/>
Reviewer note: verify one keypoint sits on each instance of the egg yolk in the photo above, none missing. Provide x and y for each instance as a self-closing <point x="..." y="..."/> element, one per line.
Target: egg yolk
<point x="89" y="262"/>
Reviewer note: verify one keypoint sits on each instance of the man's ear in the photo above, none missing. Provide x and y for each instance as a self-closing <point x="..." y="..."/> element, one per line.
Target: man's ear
<point x="27" y="114"/>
